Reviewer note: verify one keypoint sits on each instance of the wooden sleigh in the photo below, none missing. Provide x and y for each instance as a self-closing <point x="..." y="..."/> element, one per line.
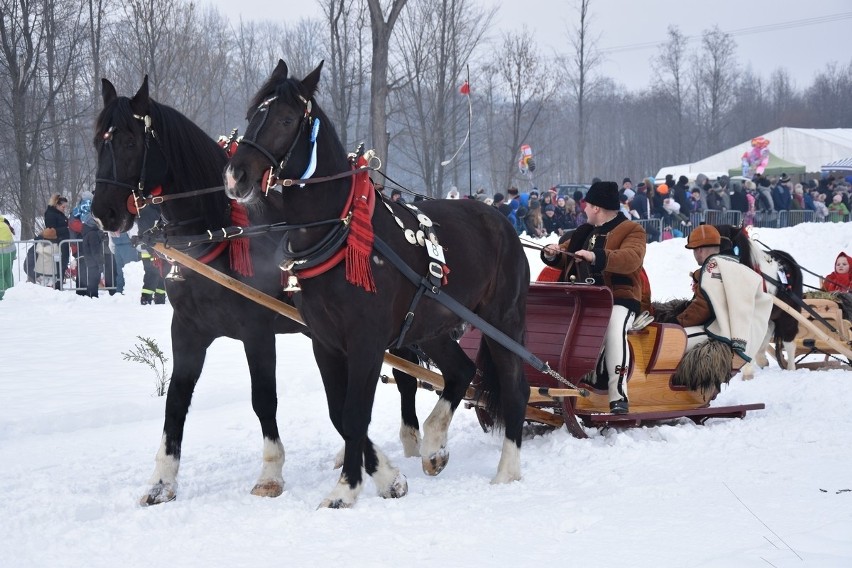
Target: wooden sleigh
<point x="816" y="338"/>
<point x="566" y="325"/>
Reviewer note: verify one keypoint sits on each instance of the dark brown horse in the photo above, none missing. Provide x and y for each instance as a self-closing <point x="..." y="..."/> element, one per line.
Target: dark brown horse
<point x="355" y="265"/>
<point x="144" y="149"/>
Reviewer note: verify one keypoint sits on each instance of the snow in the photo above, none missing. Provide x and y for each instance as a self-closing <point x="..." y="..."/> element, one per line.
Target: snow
<point x="79" y="428"/>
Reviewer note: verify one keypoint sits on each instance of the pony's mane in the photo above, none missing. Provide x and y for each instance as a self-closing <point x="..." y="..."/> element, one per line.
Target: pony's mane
<point x="195" y="160"/>
<point x="288" y="91"/>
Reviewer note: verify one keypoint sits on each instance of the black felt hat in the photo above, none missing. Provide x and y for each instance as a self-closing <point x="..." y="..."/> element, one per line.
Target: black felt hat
<point x="604" y="194"/>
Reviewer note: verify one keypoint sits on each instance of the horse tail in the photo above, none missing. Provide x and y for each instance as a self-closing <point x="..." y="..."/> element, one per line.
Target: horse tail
<point x="786" y="326"/>
<point x="489" y="384"/>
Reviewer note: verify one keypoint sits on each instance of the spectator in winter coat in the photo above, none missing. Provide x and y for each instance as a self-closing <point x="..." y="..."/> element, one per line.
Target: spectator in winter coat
<point x="717" y="198"/>
<point x="837" y="210"/>
<point x="551" y="221"/>
<point x="91" y="255"/>
<point x="739" y="202"/>
<point x="841" y="279"/>
<point x="56" y="230"/>
<point x="782" y="194"/>
<point x="681" y="194"/>
<point x="820" y="208"/>
<point x="640" y="201"/>
<point x="7" y="255"/>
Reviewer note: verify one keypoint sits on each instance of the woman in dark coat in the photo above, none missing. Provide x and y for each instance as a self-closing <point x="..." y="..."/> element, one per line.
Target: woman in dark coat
<point x="55" y="219"/>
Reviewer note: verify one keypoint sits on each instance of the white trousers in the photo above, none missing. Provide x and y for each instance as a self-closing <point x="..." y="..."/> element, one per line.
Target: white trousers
<point x="695" y="335"/>
<point x="616" y="356"/>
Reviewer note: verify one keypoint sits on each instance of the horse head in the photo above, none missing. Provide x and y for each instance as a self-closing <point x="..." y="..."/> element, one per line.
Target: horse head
<point x="130" y="162"/>
<point x="282" y="137"/>
<point x="147" y="153"/>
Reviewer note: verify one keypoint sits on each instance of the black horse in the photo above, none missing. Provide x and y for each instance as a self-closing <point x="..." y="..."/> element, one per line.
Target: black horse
<point x="148" y="149"/>
<point x="356" y="307"/>
<point x="782" y="326"/>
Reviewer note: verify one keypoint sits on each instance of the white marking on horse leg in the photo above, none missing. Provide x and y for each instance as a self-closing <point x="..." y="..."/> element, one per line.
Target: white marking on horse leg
<point x="164" y="479"/>
<point x="760" y="358"/>
<point x="342" y="496"/>
<point x="748" y="371"/>
<point x="790" y="351"/>
<point x="410" y="438"/>
<point x="338" y="459"/>
<point x="509" y="468"/>
<point x="390" y="483"/>
<point x="271" y="480"/>
<point x="433" y="451"/>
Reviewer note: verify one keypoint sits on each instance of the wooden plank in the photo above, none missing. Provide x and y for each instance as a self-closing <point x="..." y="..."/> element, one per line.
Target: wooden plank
<point x="822" y="335"/>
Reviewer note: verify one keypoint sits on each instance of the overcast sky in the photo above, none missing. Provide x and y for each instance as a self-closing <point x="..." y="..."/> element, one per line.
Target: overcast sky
<point x="801" y="36"/>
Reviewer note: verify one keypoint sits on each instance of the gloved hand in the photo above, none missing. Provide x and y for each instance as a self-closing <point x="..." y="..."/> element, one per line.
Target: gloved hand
<point x="134" y="240"/>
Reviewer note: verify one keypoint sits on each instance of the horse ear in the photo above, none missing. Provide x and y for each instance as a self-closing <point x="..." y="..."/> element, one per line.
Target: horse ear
<point x="280" y="72"/>
<point x="312" y="80"/>
<point x="139" y="102"/>
<point x="107" y="92"/>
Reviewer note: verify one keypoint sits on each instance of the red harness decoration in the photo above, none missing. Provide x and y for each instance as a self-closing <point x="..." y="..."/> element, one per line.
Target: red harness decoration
<point x="238" y="252"/>
<point x="359" y="242"/>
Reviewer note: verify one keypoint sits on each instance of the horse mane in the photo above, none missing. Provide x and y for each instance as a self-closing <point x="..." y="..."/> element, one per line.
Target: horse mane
<point x="288" y="91"/>
<point x="195" y="160"/>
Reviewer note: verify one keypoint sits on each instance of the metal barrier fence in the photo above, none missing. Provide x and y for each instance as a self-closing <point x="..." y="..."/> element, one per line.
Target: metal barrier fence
<point x="54" y="265"/>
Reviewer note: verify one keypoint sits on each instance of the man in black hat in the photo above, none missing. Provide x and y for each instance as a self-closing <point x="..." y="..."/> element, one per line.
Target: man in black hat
<point x="608" y="250"/>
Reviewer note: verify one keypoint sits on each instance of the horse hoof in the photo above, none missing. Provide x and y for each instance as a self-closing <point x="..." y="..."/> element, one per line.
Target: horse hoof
<point x="335" y="504"/>
<point x="270" y="488"/>
<point x="435" y="464"/>
<point x="159" y="493"/>
<point x="398" y="488"/>
<point x="504" y="477"/>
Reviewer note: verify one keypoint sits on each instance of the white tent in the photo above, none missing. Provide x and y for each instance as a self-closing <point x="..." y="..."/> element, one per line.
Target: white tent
<point x="809" y="146"/>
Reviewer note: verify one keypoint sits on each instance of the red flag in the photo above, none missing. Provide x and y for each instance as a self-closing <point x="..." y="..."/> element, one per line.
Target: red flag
<point x="465" y="88"/>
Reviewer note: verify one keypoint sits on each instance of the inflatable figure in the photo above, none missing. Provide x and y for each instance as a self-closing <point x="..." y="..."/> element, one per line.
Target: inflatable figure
<point x="754" y="161"/>
<point x="526" y="163"/>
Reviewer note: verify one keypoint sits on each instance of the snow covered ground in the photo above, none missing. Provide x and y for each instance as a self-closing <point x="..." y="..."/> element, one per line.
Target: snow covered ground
<point x="79" y="428"/>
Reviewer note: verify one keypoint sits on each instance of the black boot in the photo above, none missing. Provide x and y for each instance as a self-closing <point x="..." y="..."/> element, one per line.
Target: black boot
<point x="159" y="298"/>
<point x="619" y="406"/>
<point x="145" y="300"/>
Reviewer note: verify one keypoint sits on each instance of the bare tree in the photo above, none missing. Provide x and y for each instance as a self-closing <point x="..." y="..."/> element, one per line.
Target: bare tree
<point x="346" y="72"/>
<point x="718" y="73"/>
<point x="580" y="68"/>
<point x="381" y="29"/>
<point x="526" y="86"/>
<point x="436" y="39"/>
<point x="670" y="64"/>
<point x="38" y="47"/>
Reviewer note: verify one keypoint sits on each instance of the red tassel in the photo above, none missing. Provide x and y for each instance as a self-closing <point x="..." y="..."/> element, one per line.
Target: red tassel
<point x="359" y="243"/>
<point x="465" y="88"/>
<point x="238" y="252"/>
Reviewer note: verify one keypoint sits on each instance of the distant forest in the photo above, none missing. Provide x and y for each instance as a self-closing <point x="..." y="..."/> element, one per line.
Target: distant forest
<point x="403" y="99"/>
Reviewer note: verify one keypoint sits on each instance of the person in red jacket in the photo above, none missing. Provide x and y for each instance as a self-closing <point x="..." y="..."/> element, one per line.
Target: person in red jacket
<point x="841" y="279"/>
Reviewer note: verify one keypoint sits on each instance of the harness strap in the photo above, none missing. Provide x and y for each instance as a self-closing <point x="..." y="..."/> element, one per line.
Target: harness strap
<point x="798" y="301"/>
<point x="460" y="310"/>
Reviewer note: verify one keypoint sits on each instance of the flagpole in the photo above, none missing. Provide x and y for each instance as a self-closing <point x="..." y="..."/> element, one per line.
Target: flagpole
<point x="469" y="143"/>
